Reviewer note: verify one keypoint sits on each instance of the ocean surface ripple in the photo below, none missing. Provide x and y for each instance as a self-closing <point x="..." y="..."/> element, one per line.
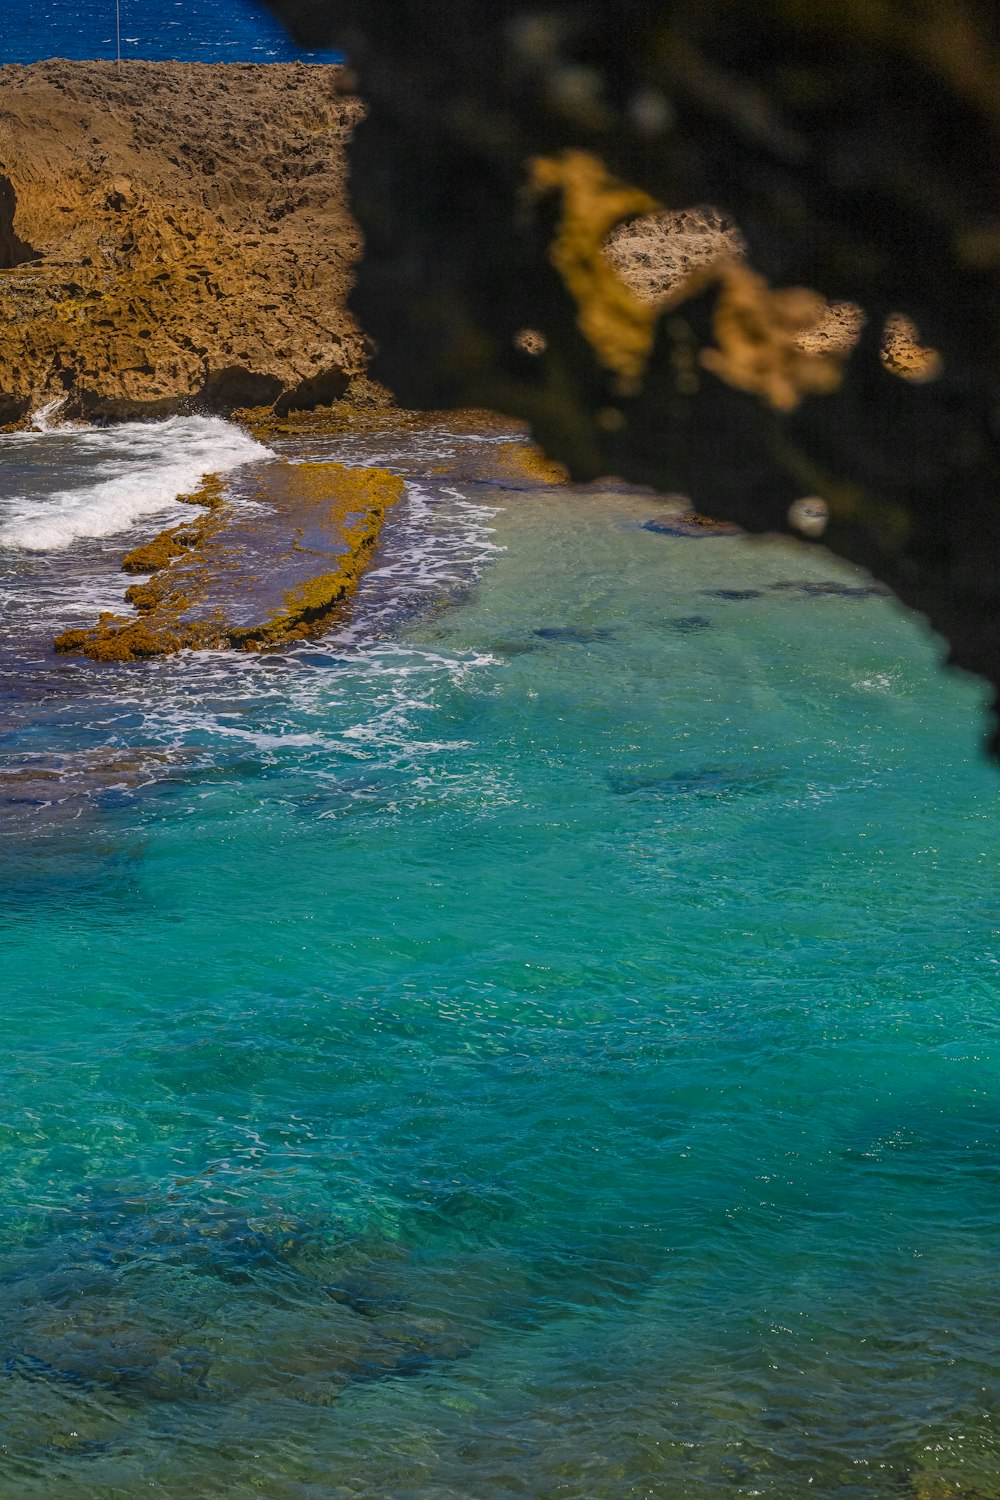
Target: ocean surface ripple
<point x="536" y="1039"/>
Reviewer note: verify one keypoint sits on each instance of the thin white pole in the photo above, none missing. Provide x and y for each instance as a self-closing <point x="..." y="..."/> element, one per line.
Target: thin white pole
<point x="118" y="28"/>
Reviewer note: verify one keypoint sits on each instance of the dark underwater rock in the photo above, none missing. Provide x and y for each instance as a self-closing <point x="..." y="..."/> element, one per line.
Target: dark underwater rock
<point x="145" y="1300"/>
<point x="31" y="1367"/>
<point x="733" y="594"/>
<point x="702" y="781"/>
<point x="689" y="624"/>
<point x="513" y="648"/>
<point x="583" y="634"/>
<point x="830" y="587"/>
<point x="691" y="524"/>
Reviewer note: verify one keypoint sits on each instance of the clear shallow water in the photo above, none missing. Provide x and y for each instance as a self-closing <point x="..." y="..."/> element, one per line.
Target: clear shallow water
<point x="539" y="1040"/>
<point x="210" y="31"/>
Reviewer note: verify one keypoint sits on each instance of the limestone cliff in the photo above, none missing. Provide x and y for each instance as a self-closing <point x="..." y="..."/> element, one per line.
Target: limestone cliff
<point x="174" y="233"/>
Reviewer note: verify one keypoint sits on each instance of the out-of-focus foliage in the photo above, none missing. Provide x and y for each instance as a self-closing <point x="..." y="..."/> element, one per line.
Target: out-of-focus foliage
<point x="856" y="144"/>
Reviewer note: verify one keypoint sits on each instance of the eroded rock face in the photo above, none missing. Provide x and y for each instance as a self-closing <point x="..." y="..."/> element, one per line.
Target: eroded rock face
<point x="174" y="233"/>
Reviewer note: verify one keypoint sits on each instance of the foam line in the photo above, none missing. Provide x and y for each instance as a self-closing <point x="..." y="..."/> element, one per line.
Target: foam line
<point x="130" y="471"/>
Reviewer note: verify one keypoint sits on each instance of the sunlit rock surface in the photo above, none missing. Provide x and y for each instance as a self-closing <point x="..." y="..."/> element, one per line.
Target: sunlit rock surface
<point x="174" y="233"/>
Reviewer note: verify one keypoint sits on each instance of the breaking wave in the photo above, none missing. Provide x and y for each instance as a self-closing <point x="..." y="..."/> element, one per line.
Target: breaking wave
<point x="111" y="477"/>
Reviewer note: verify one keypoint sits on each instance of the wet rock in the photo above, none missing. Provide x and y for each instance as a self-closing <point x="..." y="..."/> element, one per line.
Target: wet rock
<point x="253" y="575"/>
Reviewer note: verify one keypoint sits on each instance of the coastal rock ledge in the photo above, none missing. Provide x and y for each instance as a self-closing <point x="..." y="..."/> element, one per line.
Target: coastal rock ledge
<point x="265" y="559"/>
<point x="174" y="236"/>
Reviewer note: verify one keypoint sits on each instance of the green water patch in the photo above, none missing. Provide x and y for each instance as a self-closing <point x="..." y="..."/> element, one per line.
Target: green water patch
<point x="541" y="1050"/>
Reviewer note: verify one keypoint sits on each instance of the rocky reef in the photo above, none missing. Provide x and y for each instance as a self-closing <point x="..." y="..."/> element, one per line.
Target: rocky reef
<point x="247" y="575"/>
<point x="174" y="234"/>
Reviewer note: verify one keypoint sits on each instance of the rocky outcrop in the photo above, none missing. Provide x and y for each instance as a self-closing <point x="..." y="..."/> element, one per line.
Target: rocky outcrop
<point x="174" y="234"/>
<point x="248" y="576"/>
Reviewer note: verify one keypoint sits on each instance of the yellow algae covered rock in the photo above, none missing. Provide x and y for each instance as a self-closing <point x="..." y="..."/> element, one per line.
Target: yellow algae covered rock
<point x="617" y="322"/>
<point x="250" y="577"/>
<point x="526" y="462"/>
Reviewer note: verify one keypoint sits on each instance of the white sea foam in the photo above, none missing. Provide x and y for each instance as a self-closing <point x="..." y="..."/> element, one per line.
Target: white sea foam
<point x="118" y="476"/>
<point x="43" y="420"/>
<point x="438" y="544"/>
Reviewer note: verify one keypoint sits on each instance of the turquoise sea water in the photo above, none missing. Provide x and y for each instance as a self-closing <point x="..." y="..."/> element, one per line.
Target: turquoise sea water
<point x="538" y="1040"/>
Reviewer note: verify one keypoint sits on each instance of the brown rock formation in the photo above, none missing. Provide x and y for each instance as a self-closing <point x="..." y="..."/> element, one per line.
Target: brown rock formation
<point x="248" y="577"/>
<point x="174" y="233"/>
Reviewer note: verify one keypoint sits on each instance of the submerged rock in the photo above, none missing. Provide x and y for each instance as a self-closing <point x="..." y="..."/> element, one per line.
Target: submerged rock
<point x="141" y="1300"/>
<point x="249" y="576"/>
<point x="829" y="586"/>
<point x="582" y="634"/>
<point x="691" y="524"/>
<point x="689" y="624"/>
<point x="700" y="780"/>
<point x="734" y="595"/>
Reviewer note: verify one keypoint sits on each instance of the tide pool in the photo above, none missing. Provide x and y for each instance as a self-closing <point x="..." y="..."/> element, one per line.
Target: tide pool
<point x="539" y="1039"/>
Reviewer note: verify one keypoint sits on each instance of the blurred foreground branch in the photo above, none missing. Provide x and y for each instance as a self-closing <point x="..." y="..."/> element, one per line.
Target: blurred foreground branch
<point x="855" y="145"/>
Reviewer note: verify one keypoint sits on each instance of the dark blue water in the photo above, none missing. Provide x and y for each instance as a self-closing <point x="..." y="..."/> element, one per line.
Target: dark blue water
<point x="185" y="30"/>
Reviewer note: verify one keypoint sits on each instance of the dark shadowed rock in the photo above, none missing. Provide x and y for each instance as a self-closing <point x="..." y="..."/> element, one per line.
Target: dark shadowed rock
<point x="857" y="148"/>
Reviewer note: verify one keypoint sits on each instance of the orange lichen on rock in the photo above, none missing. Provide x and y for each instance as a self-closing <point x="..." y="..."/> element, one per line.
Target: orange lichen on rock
<point x="526" y="461"/>
<point x="616" y="321"/>
<point x="252" y="577"/>
<point x="759" y="334"/>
